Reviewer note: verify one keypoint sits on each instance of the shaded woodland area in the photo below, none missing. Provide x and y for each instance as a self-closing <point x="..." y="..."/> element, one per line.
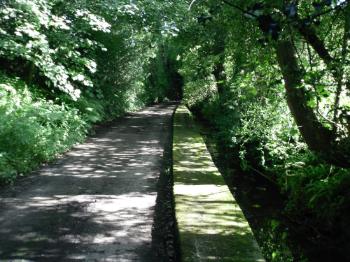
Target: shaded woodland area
<point x="270" y="78"/>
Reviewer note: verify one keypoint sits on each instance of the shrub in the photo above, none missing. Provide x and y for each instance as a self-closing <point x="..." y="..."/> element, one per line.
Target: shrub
<point x="32" y="129"/>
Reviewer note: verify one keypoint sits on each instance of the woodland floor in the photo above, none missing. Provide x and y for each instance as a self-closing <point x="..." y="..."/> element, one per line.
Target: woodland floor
<point x="98" y="201"/>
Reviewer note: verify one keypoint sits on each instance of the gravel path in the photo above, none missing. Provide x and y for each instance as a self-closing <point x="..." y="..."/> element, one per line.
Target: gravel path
<point x="96" y="203"/>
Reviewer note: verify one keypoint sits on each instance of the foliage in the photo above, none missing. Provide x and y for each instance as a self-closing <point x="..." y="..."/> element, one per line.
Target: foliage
<point x="233" y="79"/>
<point x="30" y="30"/>
<point x="67" y="65"/>
<point x="32" y="129"/>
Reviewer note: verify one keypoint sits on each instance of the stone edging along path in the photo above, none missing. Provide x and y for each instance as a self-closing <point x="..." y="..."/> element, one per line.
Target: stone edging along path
<point x="211" y="225"/>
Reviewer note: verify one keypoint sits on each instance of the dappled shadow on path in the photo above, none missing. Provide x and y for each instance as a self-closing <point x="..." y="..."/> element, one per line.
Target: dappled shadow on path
<point x="94" y="204"/>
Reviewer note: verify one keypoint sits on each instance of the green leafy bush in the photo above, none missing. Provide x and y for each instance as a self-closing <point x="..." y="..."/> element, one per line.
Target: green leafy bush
<point x="33" y="130"/>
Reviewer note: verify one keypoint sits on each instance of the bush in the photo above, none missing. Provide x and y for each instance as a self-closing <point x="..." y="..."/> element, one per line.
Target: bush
<point x="32" y="129"/>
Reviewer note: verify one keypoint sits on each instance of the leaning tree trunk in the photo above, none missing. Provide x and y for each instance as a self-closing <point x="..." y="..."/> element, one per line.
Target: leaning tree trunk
<point x="318" y="138"/>
<point x="220" y="76"/>
<point x="219" y="67"/>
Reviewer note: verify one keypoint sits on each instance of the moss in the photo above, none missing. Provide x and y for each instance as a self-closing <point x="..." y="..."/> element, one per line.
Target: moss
<point x="211" y="225"/>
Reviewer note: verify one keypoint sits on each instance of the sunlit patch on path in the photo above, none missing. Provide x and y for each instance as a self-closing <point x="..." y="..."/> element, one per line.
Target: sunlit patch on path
<point x="96" y="203"/>
<point x="211" y="225"/>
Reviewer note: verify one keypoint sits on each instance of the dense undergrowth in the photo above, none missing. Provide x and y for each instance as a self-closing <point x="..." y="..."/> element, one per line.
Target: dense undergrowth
<point x="32" y="129"/>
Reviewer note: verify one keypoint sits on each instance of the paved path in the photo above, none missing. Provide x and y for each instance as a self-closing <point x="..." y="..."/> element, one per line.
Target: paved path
<point x="94" y="204"/>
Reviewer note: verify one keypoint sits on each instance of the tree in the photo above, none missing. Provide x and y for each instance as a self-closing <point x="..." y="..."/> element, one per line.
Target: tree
<point x="297" y="32"/>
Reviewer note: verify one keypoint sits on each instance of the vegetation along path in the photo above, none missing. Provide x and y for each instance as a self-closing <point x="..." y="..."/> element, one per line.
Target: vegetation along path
<point x="94" y="204"/>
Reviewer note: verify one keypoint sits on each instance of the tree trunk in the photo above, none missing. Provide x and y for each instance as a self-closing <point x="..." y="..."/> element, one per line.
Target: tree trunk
<point x="317" y="137"/>
<point x="344" y="52"/>
<point x="319" y="46"/>
<point x="219" y="66"/>
<point x="220" y="76"/>
<point x="31" y="73"/>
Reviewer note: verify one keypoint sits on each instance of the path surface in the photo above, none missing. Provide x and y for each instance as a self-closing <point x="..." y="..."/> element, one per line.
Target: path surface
<point x="94" y="204"/>
<point x="211" y="225"/>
